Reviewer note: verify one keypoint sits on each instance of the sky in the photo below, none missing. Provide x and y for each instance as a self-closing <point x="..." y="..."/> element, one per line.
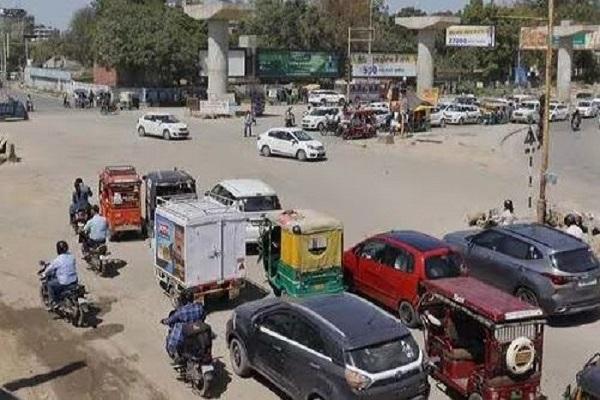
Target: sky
<point x="56" y="13"/>
<point x="428" y="5"/>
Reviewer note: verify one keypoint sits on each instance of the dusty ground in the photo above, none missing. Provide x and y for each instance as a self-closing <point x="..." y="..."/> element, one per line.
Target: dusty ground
<point x="368" y="185"/>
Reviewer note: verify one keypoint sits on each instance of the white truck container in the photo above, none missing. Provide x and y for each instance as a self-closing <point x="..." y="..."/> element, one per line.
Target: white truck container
<point x="199" y="245"/>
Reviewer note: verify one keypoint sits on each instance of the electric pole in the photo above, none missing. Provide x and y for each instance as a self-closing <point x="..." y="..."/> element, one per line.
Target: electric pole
<point x="542" y="202"/>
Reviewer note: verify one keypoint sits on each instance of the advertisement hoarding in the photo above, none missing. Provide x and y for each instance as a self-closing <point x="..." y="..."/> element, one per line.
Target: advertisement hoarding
<point x="534" y="38"/>
<point x="383" y="65"/>
<point x="170" y="247"/>
<point x="236" y="63"/>
<point x="297" y="64"/>
<point x="470" y="36"/>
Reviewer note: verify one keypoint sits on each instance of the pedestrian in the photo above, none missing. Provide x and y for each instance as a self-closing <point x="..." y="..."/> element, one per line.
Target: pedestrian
<point x="248" y="120"/>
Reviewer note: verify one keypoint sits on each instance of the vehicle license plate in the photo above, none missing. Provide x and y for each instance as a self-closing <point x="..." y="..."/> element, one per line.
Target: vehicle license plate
<point x="81" y="300"/>
<point x="588" y="283"/>
<point x="320" y="286"/>
<point x="207" y="368"/>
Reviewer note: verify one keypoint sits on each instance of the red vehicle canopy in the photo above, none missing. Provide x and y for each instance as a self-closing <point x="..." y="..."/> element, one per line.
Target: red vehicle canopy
<point x="119" y="174"/>
<point x="486" y="301"/>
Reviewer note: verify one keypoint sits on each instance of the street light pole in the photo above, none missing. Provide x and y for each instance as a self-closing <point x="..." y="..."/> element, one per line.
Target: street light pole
<point x="542" y="202"/>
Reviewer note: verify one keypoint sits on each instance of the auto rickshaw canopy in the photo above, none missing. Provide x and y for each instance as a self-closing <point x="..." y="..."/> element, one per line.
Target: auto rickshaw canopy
<point x="119" y="174"/>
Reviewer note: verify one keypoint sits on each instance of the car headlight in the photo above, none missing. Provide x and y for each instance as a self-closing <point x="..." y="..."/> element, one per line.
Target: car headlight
<point x="311" y="147"/>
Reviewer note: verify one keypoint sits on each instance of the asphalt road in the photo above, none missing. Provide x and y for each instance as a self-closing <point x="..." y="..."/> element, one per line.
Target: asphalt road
<point x="370" y="186"/>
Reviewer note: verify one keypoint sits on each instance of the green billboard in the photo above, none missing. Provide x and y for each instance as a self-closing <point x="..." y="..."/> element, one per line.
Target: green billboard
<point x="297" y="64"/>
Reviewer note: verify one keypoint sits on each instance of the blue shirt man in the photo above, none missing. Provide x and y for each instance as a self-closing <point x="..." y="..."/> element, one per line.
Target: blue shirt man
<point x="189" y="313"/>
<point x="97" y="227"/>
<point x="80" y="198"/>
<point x="61" y="272"/>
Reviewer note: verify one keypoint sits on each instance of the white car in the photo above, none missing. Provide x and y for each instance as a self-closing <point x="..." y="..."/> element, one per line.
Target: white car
<point x="586" y="109"/>
<point x="323" y="97"/>
<point x="379" y="104"/>
<point x="558" y="112"/>
<point x="317" y="117"/>
<point x="253" y="197"/>
<point x="528" y="112"/>
<point x="290" y="142"/>
<point x="437" y="116"/>
<point x="462" y="114"/>
<point x="596" y="103"/>
<point x="382" y="115"/>
<point x="163" y="125"/>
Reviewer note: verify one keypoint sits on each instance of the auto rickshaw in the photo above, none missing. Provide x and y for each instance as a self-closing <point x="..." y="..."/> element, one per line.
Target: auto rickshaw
<point x="419" y="119"/>
<point x="119" y="192"/>
<point x="482" y="343"/>
<point x="361" y="124"/>
<point x="588" y="382"/>
<point x="494" y="112"/>
<point x="301" y="252"/>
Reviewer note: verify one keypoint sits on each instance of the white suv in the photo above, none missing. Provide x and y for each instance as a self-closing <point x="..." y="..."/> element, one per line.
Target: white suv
<point x="587" y="109"/>
<point x="253" y="197"/>
<point x="558" y="112"/>
<point x="163" y="125"/>
<point x="318" y="117"/>
<point x="322" y="97"/>
<point x="528" y="112"/>
<point x="290" y="142"/>
<point x="462" y="114"/>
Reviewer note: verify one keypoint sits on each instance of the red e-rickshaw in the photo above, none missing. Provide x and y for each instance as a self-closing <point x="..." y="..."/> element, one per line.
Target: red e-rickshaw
<point x="482" y="343"/>
<point x="119" y="193"/>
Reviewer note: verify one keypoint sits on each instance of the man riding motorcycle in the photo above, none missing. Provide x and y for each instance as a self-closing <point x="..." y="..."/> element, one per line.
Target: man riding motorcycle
<point x="188" y="312"/>
<point x="575" y="120"/>
<point x="79" y="198"/>
<point x="95" y="230"/>
<point x="61" y="272"/>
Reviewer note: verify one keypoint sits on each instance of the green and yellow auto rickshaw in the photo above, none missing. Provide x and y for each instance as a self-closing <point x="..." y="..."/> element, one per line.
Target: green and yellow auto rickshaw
<point x="302" y="253"/>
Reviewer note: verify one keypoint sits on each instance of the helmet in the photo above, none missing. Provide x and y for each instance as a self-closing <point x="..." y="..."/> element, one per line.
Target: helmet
<point x="508" y="205"/>
<point x="186" y="297"/>
<point x="570" y="219"/>
<point x="61" y="247"/>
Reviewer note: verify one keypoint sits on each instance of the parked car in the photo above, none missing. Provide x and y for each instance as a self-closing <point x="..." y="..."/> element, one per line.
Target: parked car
<point x="390" y="268"/>
<point x="537" y="263"/>
<point x="527" y="112"/>
<point x="596" y="103"/>
<point x="586" y="109"/>
<point x="327" y="347"/>
<point x="462" y="114"/>
<point x="323" y="97"/>
<point x="163" y="125"/>
<point x="318" y="117"/>
<point x="382" y="115"/>
<point x="437" y="117"/>
<point x="290" y="142"/>
<point x="559" y="112"/>
<point x="253" y="197"/>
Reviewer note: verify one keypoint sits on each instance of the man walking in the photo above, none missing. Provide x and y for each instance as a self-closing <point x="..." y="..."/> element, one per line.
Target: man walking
<point x="248" y="120"/>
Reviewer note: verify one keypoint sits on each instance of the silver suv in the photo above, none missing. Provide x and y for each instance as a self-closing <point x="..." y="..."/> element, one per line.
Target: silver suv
<point x="538" y="264"/>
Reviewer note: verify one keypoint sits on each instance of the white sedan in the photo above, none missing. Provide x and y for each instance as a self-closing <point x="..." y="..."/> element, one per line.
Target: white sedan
<point x="290" y="142"/>
<point x="462" y="114"/>
<point x="586" y="109"/>
<point x="162" y="125"/>
<point x="437" y="117"/>
<point x="559" y="112"/>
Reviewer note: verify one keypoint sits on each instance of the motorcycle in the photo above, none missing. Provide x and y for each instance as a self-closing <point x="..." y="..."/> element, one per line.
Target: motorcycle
<point x="96" y="256"/>
<point x="576" y="122"/>
<point x="72" y="304"/>
<point x="330" y="127"/>
<point x="195" y="361"/>
<point x="29" y="105"/>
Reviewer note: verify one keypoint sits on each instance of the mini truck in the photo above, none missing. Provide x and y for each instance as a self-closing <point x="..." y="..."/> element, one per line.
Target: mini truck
<point x="199" y="245"/>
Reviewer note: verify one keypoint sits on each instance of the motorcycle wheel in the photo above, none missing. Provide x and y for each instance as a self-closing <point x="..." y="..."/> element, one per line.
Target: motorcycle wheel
<point x="44" y="295"/>
<point x="101" y="267"/>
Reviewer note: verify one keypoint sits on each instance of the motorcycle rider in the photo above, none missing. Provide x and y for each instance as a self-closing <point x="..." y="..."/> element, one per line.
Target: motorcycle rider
<point x="95" y="230"/>
<point x="29" y="103"/>
<point x="79" y="198"/>
<point x="290" y="119"/>
<point x="187" y="312"/>
<point x="507" y="217"/>
<point x="61" y="271"/>
<point x="575" y="120"/>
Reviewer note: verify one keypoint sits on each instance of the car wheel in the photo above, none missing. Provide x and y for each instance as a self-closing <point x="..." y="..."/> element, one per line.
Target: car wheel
<point x="301" y="155"/>
<point x="141" y="131"/>
<point x="239" y="358"/>
<point x="461" y="121"/>
<point x="408" y="315"/>
<point x="166" y="134"/>
<point x="442" y="123"/>
<point x="475" y="396"/>
<point x="527" y="296"/>
<point x="265" y="151"/>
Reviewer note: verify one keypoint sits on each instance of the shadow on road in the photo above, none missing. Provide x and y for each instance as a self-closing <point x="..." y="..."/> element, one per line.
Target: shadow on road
<point x="4" y="395"/>
<point x="113" y="268"/>
<point x="569" y="321"/>
<point x="222" y="380"/>
<point x="250" y="292"/>
<point x="42" y="378"/>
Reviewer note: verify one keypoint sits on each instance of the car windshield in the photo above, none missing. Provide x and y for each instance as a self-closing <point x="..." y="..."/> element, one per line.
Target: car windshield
<point x="444" y="266"/>
<point x="261" y="203"/>
<point x="385" y="356"/>
<point x="528" y="106"/>
<point x="167" y="119"/>
<point x="453" y="108"/>
<point x="575" y="261"/>
<point x="302" y="136"/>
<point x="584" y="104"/>
<point x="174" y="189"/>
<point x="319" y="112"/>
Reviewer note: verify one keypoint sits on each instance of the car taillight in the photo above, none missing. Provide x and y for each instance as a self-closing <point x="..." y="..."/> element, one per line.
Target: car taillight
<point x="559" y="280"/>
<point x="356" y="380"/>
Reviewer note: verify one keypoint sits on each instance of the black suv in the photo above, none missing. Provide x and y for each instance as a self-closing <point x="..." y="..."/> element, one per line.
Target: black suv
<point x="329" y="347"/>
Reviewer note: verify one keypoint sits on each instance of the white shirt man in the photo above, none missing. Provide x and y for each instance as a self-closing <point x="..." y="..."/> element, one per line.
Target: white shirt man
<point x="575" y="231"/>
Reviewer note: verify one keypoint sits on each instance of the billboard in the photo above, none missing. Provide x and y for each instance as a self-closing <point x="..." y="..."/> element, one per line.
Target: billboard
<point x="236" y="63"/>
<point x="170" y="247"/>
<point x="383" y="65"/>
<point x="297" y="64"/>
<point x="534" y="38"/>
<point x="471" y="36"/>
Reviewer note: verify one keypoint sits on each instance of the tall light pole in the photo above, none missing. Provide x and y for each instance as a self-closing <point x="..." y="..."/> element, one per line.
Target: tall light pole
<point x="542" y="202"/>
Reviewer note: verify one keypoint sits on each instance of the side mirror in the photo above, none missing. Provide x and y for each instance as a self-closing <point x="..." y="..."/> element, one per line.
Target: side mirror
<point x="294" y="141"/>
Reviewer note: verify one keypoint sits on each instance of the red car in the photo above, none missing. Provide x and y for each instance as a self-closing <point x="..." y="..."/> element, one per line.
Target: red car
<point x="390" y="267"/>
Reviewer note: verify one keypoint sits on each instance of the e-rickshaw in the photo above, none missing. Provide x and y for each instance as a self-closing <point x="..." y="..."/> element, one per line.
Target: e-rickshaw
<point x="119" y="192"/>
<point x="494" y="113"/>
<point x="482" y="343"/>
<point x="301" y="252"/>
<point x="588" y="382"/>
<point x="361" y="124"/>
<point x="419" y="119"/>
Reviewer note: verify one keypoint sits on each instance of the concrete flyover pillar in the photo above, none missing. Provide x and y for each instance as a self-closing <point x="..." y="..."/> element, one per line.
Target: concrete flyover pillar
<point x="425" y="49"/>
<point x="218" y="47"/>
<point x="564" y="71"/>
